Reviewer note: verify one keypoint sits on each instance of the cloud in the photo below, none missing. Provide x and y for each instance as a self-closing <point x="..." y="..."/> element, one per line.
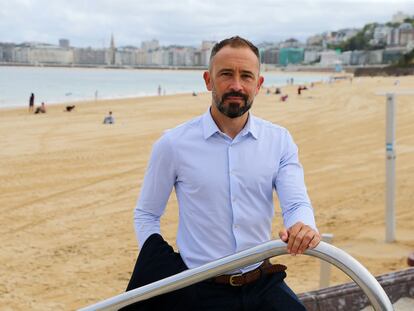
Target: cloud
<point x="90" y="23"/>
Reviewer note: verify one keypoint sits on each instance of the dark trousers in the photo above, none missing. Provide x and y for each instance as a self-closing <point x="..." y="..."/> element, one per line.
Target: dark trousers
<point x="157" y="260"/>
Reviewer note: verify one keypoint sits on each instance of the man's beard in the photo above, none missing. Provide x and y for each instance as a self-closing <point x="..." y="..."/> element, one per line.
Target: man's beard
<point x="232" y="109"/>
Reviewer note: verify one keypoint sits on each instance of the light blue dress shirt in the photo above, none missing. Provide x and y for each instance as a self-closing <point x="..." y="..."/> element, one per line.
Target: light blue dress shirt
<point x="224" y="187"/>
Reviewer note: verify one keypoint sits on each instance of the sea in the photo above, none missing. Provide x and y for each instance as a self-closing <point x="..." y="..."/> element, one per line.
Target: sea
<point x="60" y="85"/>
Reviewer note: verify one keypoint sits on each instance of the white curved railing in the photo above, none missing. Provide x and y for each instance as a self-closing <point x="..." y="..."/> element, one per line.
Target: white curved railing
<point x="369" y="285"/>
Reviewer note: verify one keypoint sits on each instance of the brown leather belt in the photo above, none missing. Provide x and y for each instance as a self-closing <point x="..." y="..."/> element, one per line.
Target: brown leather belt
<point x="249" y="277"/>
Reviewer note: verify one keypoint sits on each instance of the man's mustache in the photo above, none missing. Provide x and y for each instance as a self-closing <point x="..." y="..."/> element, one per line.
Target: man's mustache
<point x="234" y="94"/>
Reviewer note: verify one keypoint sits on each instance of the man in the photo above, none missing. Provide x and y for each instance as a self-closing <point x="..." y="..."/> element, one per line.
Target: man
<point x="31" y="102"/>
<point x="224" y="166"/>
<point x="109" y="119"/>
<point x="41" y="109"/>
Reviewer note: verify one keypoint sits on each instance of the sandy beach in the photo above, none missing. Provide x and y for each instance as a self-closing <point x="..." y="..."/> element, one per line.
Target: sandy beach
<point x="69" y="185"/>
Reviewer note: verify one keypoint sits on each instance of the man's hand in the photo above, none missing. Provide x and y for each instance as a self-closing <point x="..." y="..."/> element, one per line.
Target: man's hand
<point x="299" y="238"/>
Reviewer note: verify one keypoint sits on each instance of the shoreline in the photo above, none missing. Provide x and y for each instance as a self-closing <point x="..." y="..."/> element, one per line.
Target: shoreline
<point x="266" y="67"/>
<point x="88" y="66"/>
<point x="93" y="101"/>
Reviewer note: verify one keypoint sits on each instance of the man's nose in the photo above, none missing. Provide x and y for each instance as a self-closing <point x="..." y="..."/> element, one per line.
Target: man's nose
<point x="236" y="84"/>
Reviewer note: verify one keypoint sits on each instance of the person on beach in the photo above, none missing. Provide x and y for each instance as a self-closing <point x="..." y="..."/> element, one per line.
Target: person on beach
<point x="284" y="98"/>
<point x="69" y="108"/>
<point x="224" y="166"/>
<point x="31" y="102"/>
<point x="41" y="109"/>
<point x="109" y="119"/>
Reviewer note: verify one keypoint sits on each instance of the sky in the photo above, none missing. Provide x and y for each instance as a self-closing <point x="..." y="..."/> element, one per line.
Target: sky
<point x="185" y="22"/>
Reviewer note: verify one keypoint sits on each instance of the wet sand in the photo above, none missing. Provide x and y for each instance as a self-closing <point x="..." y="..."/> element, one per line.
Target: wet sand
<point x="69" y="186"/>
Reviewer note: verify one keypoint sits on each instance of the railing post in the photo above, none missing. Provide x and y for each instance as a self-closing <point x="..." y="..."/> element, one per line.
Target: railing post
<point x="390" y="169"/>
<point x="390" y="161"/>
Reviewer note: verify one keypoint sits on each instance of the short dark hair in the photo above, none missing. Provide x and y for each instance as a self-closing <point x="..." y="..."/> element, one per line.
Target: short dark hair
<point x="235" y="42"/>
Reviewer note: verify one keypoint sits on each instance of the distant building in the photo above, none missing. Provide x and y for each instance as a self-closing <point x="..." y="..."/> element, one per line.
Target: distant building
<point x="270" y="56"/>
<point x="346" y="58"/>
<point x="406" y="32"/>
<point x="6" y="52"/>
<point x="112" y="52"/>
<point x="205" y="57"/>
<point x="290" y="43"/>
<point x="401" y="36"/>
<point x="359" y="58"/>
<point x="126" y="56"/>
<point x="207" y="45"/>
<point x="51" y="55"/>
<point x="375" y="57"/>
<point x="331" y="37"/>
<point x="141" y="57"/>
<point x="181" y="56"/>
<point x="311" y="56"/>
<point x="399" y="17"/>
<point x="150" y="45"/>
<point x="392" y="55"/>
<point x="339" y="36"/>
<point x="393" y="38"/>
<point x="197" y="58"/>
<point x="64" y="43"/>
<point x="291" y="56"/>
<point x="330" y="58"/>
<point x="348" y="33"/>
<point x="410" y="46"/>
<point x="2" y="53"/>
<point x="21" y="54"/>
<point x="42" y="54"/>
<point x="158" y="57"/>
<point x="202" y="57"/>
<point x="316" y="40"/>
<point x="89" y="56"/>
<point x="380" y="35"/>
<point x="205" y="52"/>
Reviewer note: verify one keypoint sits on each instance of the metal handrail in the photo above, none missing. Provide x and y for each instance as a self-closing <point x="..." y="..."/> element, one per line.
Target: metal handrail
<point x="345" y="262"/>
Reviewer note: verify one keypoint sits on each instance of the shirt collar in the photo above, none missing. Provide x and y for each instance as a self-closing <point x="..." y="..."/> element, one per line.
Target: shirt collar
<point x="210" y="127"/>
<point x="250" y="127"/>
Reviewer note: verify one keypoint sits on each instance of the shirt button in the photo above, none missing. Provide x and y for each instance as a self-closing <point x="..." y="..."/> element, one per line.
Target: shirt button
<point x="236" y="226"/>
<point x="234" y="199"/>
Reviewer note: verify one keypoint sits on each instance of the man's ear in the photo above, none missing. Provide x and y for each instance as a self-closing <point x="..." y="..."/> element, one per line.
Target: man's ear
<point x="259" y="84"/>
<point x="207" y="80"/>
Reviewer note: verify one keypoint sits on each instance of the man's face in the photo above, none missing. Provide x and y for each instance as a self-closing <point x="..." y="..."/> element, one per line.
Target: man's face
<point x="234" y="80"/>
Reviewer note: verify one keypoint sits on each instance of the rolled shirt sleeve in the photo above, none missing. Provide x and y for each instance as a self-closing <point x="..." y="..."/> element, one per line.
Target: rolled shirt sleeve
<point x="156" y="189"/>
<point x="291" y="189"/>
